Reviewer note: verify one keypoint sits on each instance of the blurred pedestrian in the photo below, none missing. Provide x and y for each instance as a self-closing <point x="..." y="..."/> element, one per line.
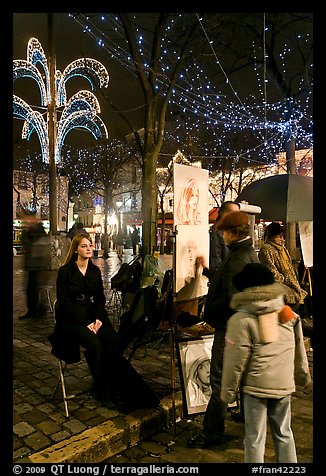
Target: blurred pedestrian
<point x="235" y="226"/>
<point x="134" y="239"/>
<point x="106" y="241"/>
<point x="264" y="354"/>
<point x="276" y="257"/>
<point x="82" y="320"/>
<point x="119" y="243"/>
<point x="97" y="240"/>
<point x="169" y="243"/>
<point x="114" y="241"/>
<point x="37" y="258"/>
<point x="76" y="229"/>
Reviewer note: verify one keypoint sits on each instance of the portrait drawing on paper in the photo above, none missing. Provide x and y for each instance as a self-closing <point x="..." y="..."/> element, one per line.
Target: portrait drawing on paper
<point x="194" y="356"/>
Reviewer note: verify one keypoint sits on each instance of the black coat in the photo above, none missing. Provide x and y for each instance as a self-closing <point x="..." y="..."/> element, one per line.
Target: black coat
<point x="217" y="309"/>
<point x="80" y="301"/>
<point x="218" y="250"/>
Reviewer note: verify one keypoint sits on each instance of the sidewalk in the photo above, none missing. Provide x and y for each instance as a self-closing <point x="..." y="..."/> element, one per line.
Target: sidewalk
<point x="94" y="433"/>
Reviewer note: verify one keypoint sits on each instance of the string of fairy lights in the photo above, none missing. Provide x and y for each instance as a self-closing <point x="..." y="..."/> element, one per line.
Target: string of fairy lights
<point x="201" y="105"/>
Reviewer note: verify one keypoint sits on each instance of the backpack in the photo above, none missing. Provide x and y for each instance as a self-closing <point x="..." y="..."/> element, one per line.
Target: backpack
<point x="127" y="278"/>
<point x="140" y="317"/>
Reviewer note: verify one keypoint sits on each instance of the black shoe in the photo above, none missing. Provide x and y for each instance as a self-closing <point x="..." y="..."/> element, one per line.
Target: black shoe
<point x="103" y="396"/>
<point x="237" y="417"/>
<point x="25" y="316"/>
<point x="201" y="441"/>
<point x="307" y="323"/>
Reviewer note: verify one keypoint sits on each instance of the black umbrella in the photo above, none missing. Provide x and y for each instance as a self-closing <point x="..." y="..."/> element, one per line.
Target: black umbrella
<point x="284" y="197"/>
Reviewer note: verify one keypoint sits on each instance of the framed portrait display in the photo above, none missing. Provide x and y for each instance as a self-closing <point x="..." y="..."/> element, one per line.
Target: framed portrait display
<point x="194" y="357"/>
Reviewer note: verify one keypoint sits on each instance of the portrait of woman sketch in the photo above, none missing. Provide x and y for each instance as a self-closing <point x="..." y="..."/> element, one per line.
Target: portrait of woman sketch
<point x="192" y="242"/>
<point x="195" y="357"/>
<point x="188" y="207"/>
<point x="190" y="195"/>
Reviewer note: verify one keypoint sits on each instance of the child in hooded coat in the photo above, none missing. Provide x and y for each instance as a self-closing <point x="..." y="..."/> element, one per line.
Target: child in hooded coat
<point x="264" y="354"/>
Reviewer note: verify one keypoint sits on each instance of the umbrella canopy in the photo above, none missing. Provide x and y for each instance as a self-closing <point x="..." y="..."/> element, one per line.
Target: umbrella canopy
<point x="285" y="197"/>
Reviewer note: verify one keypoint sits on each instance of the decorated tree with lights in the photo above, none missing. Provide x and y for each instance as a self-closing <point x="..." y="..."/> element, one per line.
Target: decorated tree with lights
<point x="157" y="85"/>
<point x="106" y="169"/>
<point x="195" y="63"/>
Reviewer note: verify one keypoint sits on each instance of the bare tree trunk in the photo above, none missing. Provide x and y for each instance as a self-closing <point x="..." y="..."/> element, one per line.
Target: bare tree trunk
<point x="105" y="241"/>
<point x="149" y="195"/>
<point x="163" y="224"/>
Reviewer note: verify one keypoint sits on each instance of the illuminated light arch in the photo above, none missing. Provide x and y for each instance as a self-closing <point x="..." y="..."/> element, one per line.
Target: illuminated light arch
<point x="82" y="100"/>
<point x="85" y="119"/>
<point x="79" y="112"/>
<point x="35" y="54"/>
<point x="33" y="121"/>
<point x="90" y="69"/>
<point x="24" y="69"/>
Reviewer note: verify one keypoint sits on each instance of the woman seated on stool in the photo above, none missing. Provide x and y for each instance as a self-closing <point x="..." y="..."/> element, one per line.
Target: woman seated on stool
<point x="82" y="320"/>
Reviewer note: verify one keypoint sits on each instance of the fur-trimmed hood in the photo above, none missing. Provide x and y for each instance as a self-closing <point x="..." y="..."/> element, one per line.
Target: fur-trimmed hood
<point x="259" y="299"/>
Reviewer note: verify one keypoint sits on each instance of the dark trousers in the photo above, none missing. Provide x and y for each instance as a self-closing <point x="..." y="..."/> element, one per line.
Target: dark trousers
<point x="32" y="292"/>
<point x="112" y="371"/>
<point x="213" y="423"/>
<point x="101" y="353"/>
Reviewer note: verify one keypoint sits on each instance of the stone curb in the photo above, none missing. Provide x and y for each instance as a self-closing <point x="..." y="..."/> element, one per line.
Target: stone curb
<point x="96" y="444"/>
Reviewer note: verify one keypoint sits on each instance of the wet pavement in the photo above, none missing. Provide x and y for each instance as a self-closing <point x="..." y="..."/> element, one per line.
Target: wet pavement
<point x="94" y="433"/>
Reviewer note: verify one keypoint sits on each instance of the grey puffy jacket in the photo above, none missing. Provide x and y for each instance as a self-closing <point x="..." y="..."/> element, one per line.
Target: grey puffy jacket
<point x="267" y="358"/>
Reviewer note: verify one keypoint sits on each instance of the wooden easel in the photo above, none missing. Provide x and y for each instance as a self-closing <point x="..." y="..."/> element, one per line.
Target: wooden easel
<point x="307" y="272"/>
<point x="173" y="331"/>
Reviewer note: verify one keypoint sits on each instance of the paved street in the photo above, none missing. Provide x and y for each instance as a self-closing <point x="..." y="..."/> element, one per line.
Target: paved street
<point x="94" y="433"/>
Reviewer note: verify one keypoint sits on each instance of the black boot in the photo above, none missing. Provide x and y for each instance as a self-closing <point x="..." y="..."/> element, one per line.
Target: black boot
<point x="25" y="316"/>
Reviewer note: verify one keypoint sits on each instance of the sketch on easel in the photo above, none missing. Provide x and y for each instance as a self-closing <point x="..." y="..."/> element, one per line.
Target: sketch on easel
<point x="190" y="195"/>
<point x="191" y="241"/>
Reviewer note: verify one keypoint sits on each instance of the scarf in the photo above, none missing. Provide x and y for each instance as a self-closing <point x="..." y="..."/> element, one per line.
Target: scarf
<point x="283" y="254"/>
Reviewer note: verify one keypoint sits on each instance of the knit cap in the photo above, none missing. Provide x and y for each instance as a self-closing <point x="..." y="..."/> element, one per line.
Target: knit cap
<point x="252" y="275"/>
<point x="231" y="220"/>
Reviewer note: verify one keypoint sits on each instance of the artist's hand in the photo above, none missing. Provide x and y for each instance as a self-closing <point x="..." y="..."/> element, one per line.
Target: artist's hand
<point x="200" y="261"/>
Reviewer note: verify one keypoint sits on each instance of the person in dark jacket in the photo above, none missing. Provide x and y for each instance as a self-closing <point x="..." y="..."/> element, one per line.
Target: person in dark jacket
<point x="235" y="226"/>
<point x="217" y="247"/>
<point x="134" y="239"/>
<point x="82" y="320"/>
<point x="76" y="229"/>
